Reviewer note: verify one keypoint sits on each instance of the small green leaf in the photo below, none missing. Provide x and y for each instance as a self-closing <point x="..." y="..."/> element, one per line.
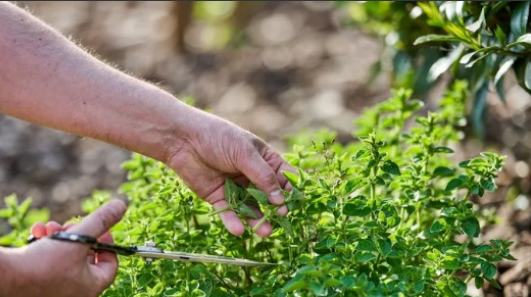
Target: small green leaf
<point x="471" y="227"/>
<point x="435" y="38"/>
<point x="231" y="191"/>
<point x="259" y="291"/>
<point x="292" y="178"/>
<point x="294" y="285"/>
<point x="286" y="224"/>
<point x="519" y="18"/>
<point x="260" y="196"/>
<point x="391" y="168"/>
<point x="247" y="211"/>
<point x="479" y="23"/>
<point x="366" y="245"/>
<point x="489" y="270"/>
<point x="488" y="184"/>
<point x="500" y="35"/>
<point x="478" y="281"/>
<point x="418" y="287"/>
<point x="483" y="248"/>
<point x="504" y="66"/>
<point x="443" y="149"/>
<point x="458" y="286"/>
<point x="364" y="257"/>
<point x="348" y="281"/>
<point x="318" y="289"/>
<point x="438" y="226"/>
<point x="443" y="171"/>
<point x="454" y="184"/>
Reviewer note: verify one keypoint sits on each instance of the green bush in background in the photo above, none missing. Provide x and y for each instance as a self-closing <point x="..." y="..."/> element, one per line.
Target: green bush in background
<point x="475" y="40"/>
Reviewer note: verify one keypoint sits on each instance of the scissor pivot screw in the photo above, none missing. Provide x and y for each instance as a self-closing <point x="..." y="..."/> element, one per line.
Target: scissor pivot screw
<point x="152" y="245"/>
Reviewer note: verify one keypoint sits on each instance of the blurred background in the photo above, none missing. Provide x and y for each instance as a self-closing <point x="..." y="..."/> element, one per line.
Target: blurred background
<point x="274" y="68"/>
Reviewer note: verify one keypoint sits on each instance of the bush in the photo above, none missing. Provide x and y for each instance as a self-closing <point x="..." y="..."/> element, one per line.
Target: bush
<point x="386" y="216"/>
<point x="479" y="41"/>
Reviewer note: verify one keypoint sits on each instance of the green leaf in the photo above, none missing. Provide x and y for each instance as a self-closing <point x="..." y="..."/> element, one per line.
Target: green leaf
<point x="391" y="168"/>
<point x="519" y="19"/>
<point x="454" y="184"/>
<point x="357" y="207"/>
<point x="418" y="287"/>
<point x="471" y="226"/>
<point x="479" y="23"/>
<point x="294" y="285"/>
<point x="489" y="270"/>
<point x="260" y="196"/>
<point x="500" y="35"/>
<point x="366" y="245"/>
<point x="443" y="149"/>
<point x="478" y="281"/>
<point x="478" y="111"/>
<point x="247" y="211"/>
<point x="292" y="178"/>
<point x="364" y="256"/>
<point x="443" y="171"/>
<point x="348" y="281"/>
<point x="524" y="40"/>
<point x="438" y="226"/>
<point x="435" y="38"/>
<point x="259" y="291"/>
<point x="466" y="58"/>
<point x="458" y="286"/>
<point x="444" y="63"/>
<point x="286" y="224"/>
<point x="231" y="191"/>
<point x="318" y="289"/>
<point x="488" y="184"/>
<point x="359" y="154"/>
<point x="385" y="246"/>
<point x="505" y="65"/>
<point x="483" y="248"/>
<point x="353" y="185"/>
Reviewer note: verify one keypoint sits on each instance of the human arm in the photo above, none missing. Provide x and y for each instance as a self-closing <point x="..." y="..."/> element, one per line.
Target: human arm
<point x="46" y="79"/>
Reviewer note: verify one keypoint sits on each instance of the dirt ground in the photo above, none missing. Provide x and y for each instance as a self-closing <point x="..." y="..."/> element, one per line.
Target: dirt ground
<point x="298" y="70"/>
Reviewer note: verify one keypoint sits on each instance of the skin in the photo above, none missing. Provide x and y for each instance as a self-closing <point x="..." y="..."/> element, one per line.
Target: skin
<point x="48" y="80"/>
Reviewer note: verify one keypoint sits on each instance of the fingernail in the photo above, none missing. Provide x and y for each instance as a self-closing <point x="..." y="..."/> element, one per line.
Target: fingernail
<point x="277" y="197"/>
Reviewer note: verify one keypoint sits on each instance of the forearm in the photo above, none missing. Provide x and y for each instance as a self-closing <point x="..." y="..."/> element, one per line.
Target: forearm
<point x="46" y="79"/>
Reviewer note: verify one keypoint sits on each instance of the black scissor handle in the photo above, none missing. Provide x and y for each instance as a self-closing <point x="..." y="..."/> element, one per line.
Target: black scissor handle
<point x="93" y="242"/>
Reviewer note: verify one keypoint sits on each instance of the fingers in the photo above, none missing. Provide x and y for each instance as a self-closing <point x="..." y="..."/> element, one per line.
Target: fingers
<point x="262" y="175"/>
<point x="105" y="268"/>
<point x="100" y="221"/>
<point x="52" y="227"/>
<point x="229" y="218"/>
<point x="38" y="230"/>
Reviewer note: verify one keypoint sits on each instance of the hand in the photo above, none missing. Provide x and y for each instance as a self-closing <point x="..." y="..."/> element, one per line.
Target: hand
<point x="215" y="149"/>
<point x="49" y="268"/>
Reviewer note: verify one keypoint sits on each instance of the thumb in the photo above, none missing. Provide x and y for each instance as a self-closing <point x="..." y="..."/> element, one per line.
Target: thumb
<point x="100" y="221"/>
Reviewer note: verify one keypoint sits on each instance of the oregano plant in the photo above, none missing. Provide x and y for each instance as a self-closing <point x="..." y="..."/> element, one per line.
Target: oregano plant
<point x="388" y="215"/>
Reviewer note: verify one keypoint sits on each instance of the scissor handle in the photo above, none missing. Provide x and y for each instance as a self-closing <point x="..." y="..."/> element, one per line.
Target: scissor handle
<point x="94" y="244"/>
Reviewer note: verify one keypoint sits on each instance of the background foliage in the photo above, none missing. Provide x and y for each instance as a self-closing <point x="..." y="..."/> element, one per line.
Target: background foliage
<point x="476" y="40"/>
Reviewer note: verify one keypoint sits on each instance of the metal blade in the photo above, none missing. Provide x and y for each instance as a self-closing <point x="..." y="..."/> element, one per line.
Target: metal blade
<point x="188" y="257"/>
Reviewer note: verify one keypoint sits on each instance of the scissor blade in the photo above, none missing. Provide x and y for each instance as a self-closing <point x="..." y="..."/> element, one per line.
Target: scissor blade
<point x="201" y="258"/>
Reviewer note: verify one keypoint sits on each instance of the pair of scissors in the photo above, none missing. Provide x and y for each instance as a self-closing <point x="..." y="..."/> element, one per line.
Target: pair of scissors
<point x="149" y="252"/>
